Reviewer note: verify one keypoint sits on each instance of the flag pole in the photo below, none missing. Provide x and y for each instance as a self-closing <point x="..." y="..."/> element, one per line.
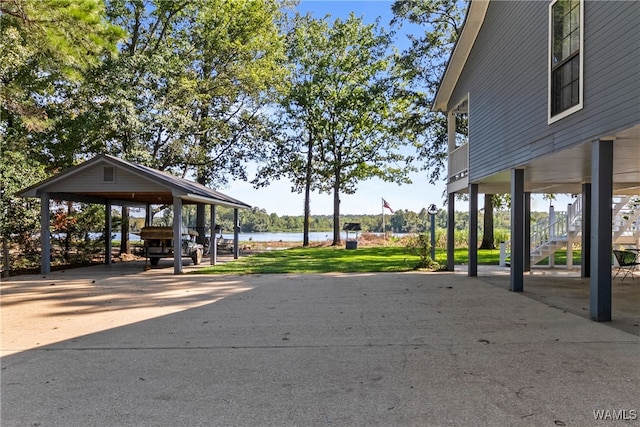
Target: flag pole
<point x="384" y="232"/>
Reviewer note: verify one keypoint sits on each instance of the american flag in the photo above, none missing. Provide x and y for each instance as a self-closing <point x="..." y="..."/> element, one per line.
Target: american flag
<point x="385" y="204"/>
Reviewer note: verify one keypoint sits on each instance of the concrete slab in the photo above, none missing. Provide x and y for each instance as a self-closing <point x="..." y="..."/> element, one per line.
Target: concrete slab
<point x="120" y="346"/>
<point x="564" y="289"/>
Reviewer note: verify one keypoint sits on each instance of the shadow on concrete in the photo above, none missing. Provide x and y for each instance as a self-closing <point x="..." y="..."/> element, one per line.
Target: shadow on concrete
<point x="391" y="349"/>
<point x="565" y="290"/>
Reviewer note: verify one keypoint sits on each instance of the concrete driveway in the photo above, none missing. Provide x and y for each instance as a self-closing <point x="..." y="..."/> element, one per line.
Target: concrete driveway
<point x="117" y="346"/>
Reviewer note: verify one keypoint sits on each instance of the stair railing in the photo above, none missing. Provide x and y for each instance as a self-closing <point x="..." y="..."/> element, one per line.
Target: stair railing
<point x="574" y="215"/>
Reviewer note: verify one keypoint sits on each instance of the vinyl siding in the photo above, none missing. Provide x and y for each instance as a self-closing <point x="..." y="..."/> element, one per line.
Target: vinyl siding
<point x="506" y="79"/>
<point x="90" y="180"/>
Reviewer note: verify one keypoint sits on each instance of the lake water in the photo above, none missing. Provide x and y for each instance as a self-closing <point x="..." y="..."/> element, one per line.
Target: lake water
<point x="314" y="236"/>
<point x="246" y="237"/>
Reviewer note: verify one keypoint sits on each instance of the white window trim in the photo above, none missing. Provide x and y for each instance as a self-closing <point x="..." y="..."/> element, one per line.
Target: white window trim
<point x="579" y="105"/>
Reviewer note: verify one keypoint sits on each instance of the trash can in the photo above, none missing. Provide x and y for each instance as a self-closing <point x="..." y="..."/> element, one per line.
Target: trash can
<point x="352" y="227"/>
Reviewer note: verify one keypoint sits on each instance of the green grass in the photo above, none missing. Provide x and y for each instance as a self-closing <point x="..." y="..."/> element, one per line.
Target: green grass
<point x="338" y="260"/>
<point x="461" y="256"/>
<point x="319" y="260"/>
<point x="561" y="258"/>
<point x="341" y="260"/>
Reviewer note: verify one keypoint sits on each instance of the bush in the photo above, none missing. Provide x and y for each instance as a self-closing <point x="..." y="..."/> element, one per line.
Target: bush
<point x="419" y="245"/>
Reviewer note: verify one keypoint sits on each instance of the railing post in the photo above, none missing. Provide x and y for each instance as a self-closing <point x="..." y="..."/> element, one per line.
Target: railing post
<point x="552" y="234"/>
<point x="503" y="254"/>
<point x="569" y="238"/>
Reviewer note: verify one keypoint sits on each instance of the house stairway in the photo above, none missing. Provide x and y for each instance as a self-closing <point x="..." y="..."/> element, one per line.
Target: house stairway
<point x="562" y="229"/>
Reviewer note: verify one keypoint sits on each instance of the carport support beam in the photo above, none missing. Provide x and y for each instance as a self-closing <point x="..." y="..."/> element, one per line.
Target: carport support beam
<point x="236" y="237"/>
<point x="516" y="282"/>
<point x="107" y="232"/>
<point x="177" y="235"/>
<point x="213" y="240"/>
<point x="45" y="237"/>
<point x="473" y="230"/>
<point x="601" y="241"/>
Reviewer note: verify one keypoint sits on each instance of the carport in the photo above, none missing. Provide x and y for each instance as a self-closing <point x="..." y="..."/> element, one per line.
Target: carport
<point x="108" y="180"/>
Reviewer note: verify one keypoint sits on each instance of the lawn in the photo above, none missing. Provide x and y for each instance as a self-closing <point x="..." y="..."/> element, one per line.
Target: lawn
<point x="337" y="259"/>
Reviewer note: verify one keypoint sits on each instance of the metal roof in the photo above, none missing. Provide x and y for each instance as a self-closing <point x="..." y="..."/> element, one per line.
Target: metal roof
<point x="188" y="191"/>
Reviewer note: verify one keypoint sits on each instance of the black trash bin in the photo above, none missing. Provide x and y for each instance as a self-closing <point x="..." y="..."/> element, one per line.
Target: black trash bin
<point x="355" y="227"/>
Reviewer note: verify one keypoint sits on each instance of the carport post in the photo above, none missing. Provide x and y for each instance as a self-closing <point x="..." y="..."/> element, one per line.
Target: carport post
<point x="236" y="230"/>
<point x="473" y="230"/>
<point x="107" y="232"/>
<point x="601" y="241"/>
<point x="213" y="244"/>
<point x="177" y="235"/>
<point x="45" y="238"/>
<point x="516" y="280"/>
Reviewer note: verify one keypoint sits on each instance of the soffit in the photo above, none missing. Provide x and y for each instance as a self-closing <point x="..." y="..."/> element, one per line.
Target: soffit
<point x="567" y="170"/>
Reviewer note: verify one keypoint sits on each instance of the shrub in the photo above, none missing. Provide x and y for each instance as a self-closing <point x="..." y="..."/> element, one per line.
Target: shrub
<point x="419" y="245"/>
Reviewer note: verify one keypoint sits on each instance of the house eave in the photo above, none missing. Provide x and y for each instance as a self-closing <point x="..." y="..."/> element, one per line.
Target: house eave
<point x="473" y="23"/>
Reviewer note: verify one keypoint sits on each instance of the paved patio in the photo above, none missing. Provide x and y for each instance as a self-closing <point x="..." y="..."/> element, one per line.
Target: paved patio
<point x="564" y="289"/>
<point x="115" y="345"/>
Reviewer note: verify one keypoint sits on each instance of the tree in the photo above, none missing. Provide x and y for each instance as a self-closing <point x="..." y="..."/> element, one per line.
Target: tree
<point x="43" y="44"/>
<point x="188" y="90"/>
<point x="45" y="47"/>
<point x="236" y="58"/>
<point x="492" y="202"/>
<point x="18" y="216"/>
<point x="424" y="64"/>
<point x="292" y="153"/>
<point x="487" y="231"/>
<point x="187" y="93"/>
<point x="342" y="112"/>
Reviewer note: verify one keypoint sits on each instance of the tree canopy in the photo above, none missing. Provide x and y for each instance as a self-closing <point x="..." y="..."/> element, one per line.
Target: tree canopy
<point x="424" y="63"/>
<point x="343" y="111"/>
<point x="188" y="91"/>
<point x="46" y="47"/>
<point x="45" y="44"/>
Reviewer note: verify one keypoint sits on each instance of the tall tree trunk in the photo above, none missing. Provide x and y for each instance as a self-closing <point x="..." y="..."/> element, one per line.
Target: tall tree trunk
<point x="307" y="215"/>
<point x="201" y="174"/>
<point x="201" y="215"/>
<point x="337" y="180"/>
<point x="6" y="262"/>
<point x="200" y="224"/>
<point x="336" y="213"/>
<point x="125" y="244"/>
<point x="68" y="226"/>
<point x="307" y="192"/>
<point x="487" y="235"/>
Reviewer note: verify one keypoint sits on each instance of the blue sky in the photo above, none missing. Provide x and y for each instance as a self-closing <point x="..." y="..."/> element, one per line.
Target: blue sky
<point x="278" y="198"/>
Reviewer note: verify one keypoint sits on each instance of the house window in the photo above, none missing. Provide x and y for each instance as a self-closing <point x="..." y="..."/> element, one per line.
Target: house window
<point x="109" y="174"/>
<point x="565" y="48"/>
